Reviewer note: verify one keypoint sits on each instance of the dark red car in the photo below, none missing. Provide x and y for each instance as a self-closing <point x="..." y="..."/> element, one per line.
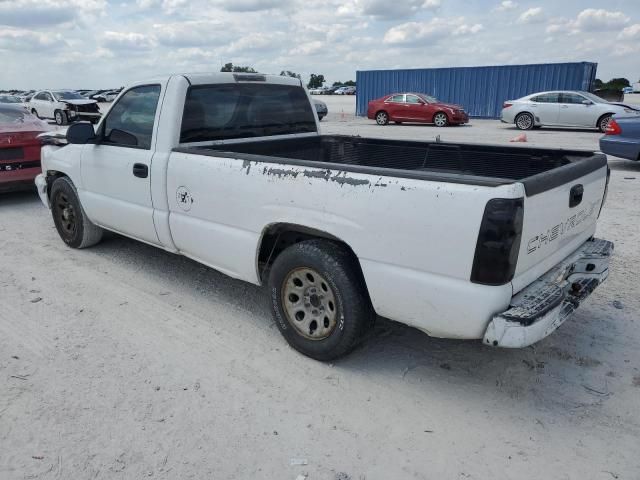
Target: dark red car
<point x="416" y="108"/>
<point x="19" y="147"/>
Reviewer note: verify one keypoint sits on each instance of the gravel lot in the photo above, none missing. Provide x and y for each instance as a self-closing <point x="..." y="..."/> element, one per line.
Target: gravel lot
<point x="124" y="361"/>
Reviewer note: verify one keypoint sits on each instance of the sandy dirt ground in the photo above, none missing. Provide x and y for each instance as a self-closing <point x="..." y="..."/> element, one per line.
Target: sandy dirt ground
<point x="126" y="362"/>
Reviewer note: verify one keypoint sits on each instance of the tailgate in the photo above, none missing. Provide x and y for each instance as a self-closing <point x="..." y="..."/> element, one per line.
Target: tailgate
<point x="560" y="213"/>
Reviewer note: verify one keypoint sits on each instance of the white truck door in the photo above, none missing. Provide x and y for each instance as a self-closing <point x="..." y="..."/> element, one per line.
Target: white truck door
<point x="116" y="185"/>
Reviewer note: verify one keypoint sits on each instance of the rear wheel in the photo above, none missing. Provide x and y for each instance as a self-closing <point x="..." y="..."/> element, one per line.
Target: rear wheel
<point x="382" y="118"/>
<point x="524" y="121"/>
<point x="73" y="225"/>
<point x="318" y="299"/>
<point x="440" y="119"/>
<point x="603" y="122"/>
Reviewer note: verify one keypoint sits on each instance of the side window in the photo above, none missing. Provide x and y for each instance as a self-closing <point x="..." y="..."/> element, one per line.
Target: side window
<point x="547" y="98"/>
<point x="572" y="98"/>
<point x="129" y="123"/>
<point x="413" y="99"/>
<point x="397" y="99"/>
<point x="47" y="97"/>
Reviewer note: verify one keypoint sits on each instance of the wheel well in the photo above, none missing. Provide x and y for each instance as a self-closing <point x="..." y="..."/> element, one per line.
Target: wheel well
<point x="602" y="116"/>
<point x="382" y="110"/>
<point x="277" y="237"/>
<point x="439" y="111"/>
<point x="51" y="177"/>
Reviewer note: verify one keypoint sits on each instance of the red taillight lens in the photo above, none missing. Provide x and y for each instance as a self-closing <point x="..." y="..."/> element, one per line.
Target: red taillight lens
<point x="506" y="105"/>
<point x="612" y="128"/>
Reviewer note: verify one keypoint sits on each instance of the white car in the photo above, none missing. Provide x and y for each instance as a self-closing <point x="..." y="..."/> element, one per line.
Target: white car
<point x="459" y="240"/>
<point x="63" y="106"/>
<point x="318" y="90"/>
<point x="562" y="109"/>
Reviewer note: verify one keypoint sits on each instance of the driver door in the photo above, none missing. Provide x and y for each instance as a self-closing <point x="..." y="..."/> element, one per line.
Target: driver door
<point x="116" y="186"/>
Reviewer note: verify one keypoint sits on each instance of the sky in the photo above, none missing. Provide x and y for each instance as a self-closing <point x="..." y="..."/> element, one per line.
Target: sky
<point x="105" y="43"/>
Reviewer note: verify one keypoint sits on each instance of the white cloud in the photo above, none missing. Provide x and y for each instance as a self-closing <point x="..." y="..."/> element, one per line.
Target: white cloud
<point x="382" y="9"/>
<point x="191" y="33"/>
<point x="532" y="15"/>
<point x="594" y="20"/>
<point x="632" y="32"/>
<point x="506" y="5"/>
<point x="430" y="32"/>
<point x="127" y="41"/>
<point x="38" y="13"/>
<point x="18" y="39"/>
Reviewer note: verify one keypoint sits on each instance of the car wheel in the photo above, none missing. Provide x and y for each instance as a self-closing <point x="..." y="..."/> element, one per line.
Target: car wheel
<point x="73" y="225"/>
<point x="319" y="300"/>
<point x="60" y="117"/>
<point x="440" y="119"/>
<point x="603" y="122"/>
<point x="35" y="112"/>
<point x="524" y="121"/>
<point x="382" y="118"/>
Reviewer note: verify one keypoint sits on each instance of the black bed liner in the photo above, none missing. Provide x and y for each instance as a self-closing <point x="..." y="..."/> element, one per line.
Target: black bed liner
<point x="487" y="165"/>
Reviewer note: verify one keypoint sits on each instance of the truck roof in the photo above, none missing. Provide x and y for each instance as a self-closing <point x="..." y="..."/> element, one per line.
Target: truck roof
<point x="204" y="78"/>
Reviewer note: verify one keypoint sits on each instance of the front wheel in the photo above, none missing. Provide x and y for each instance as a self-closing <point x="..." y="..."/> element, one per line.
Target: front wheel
<point x="524" y="121"/>
<point x="318" y="299"/>
<point x="440" y="119"/>
<point x="603" y="123"/>
<point x="73" y="225"/>
<point x="60" y="117"/>
<point x="382" y="118"/>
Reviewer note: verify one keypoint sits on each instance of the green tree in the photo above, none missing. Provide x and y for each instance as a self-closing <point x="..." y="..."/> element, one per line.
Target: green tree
<point x="287" y="73"/>
<point x="315" y="81"/>
<point x="230" y="67"/>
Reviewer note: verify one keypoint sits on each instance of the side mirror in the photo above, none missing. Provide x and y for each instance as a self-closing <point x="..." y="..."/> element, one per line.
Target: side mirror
<point x="587" y="102"/>
<point x="81" y="133"/>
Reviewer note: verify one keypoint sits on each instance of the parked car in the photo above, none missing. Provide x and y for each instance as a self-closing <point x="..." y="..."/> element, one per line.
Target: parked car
<point x="321" y="108"/>
<point x="12" y="100"/>
<point x="346" y="91"/>
<point x="626" y="90"/>
<point x="622" y="137"/>
<point x="322" y="219"/>
<point x="318" y="90"/>
<point x="106" y="97"/>
<point x="19" y="147"/>
<point x="63" y="106"/>
<point x="415" y="108"/>
<point x="561" y="108"/>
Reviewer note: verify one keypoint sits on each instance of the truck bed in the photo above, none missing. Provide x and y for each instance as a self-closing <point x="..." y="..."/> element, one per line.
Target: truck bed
<point x="488" y="165"/>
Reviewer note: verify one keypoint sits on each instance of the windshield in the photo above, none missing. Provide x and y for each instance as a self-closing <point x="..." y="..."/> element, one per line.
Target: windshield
<point x="226" y="111"/>
<point x="9" y="99"/>
<point x="593" y="98"/>
<point x="68" y="96"/>
<point x="428" y="98"/>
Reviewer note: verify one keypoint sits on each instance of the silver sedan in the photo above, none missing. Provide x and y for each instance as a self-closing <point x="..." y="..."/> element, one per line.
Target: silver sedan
<point x="562" y="108"/>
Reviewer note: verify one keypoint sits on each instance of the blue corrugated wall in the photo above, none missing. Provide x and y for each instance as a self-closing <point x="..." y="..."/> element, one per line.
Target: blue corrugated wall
<point x="480" y="90"/>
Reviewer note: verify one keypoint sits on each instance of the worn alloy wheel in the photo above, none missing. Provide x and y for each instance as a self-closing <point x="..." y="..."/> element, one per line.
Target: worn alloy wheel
<point x="309" y="303"/>
<point x="60" y="117"/>
<point x="382" y="118"/>
<point x="66" y="214"/>
<point x="440" y="119"/>
<point x="603" y="123"/>
<point x="524" y="121"/>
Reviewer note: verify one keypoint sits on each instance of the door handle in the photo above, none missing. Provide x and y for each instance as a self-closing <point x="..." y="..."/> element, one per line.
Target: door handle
<point x="140" y="170"/>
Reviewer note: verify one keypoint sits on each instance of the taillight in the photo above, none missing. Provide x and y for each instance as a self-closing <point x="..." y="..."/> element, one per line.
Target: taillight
<point x="612" y="128"/>
<point x="506" y="105"/>
<point x="498" y="243"/>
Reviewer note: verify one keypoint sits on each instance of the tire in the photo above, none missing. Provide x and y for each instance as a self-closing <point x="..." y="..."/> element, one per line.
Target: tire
<point x="440" y="119"/>
<point x="524" y="121"/>
<point x="60" y="117"/>
<point x="319" y="280"/>
<point x="382" y="118"/>
<point x="73" y="225"/>
<point x="35" y="112"/>
<point x="603" y="122"/>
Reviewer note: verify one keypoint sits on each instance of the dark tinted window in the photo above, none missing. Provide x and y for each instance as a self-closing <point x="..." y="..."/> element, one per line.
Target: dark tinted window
<point x="413" y="99"/>
<point x="397" y="99"/>
<point x="226" y="111"/>
<point x="547" y="98"/>
<point x="572" y="98"/>
<point x="130" y="121"/>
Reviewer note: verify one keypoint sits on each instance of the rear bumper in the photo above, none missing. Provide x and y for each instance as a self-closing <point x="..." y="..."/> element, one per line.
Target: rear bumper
<point x="539" y="309"/>
<point x="620" y="147"/>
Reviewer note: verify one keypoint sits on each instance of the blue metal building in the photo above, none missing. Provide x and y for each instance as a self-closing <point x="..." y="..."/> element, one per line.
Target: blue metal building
<point x="480" y="90"/>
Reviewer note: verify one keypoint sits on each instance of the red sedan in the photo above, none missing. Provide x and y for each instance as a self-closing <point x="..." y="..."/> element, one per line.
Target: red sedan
<point x="19" y="147"/>
<point x="417" y="108"/>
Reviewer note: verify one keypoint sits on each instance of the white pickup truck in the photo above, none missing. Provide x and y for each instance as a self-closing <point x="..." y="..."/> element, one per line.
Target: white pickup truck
<point x="458" y="240"/>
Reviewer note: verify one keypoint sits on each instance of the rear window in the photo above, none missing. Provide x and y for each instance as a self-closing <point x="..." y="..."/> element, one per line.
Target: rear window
<point x="227" y="111"/>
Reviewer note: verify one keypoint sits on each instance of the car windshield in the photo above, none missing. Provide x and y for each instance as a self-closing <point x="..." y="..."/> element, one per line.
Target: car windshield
<point x="13" y="115"/>
<point x="593" y="98"/>
<point x="428" y="98"/>
<point x="9" y="99"/>
<point x="68" y="96"/>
